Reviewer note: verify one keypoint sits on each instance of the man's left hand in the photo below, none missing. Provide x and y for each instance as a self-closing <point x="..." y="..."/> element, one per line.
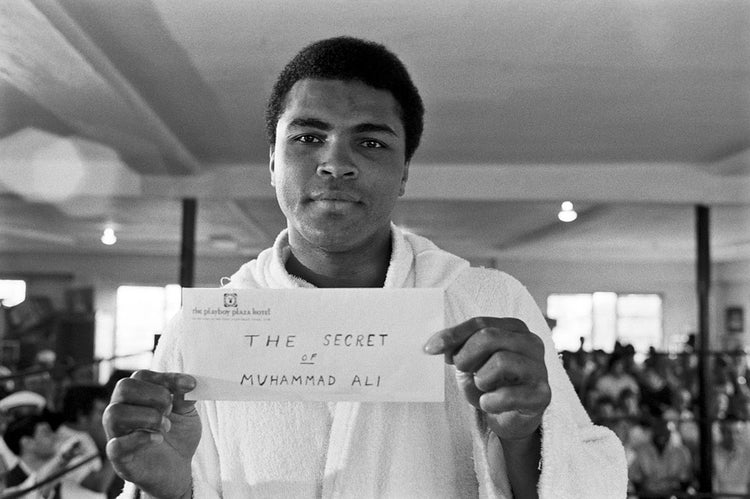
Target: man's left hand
<point x="501" y="371"/>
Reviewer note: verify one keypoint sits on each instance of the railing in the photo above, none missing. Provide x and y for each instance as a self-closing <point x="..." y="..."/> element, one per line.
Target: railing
<point x="56" y="371"/>
<point x="21" y="490"/>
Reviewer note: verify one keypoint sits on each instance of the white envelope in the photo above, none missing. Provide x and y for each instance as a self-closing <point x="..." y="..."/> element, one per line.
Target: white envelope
<point x="313" y="344"/>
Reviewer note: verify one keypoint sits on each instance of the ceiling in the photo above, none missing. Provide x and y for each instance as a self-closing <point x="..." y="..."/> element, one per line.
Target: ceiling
<point x="112" y="112"/>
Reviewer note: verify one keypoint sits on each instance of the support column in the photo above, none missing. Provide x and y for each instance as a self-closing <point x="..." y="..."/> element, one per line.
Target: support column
<point x="703" y="275"/>
<point x="187" y="250"/>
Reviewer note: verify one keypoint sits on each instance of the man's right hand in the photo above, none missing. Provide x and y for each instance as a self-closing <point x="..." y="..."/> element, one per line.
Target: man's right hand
<point x="153" y="432"/>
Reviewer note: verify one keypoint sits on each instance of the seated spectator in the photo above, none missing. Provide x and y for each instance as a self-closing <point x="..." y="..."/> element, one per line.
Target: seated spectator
<point x="22" y="403"/>
<point x="629" y="405"/>
<point x="616" y="379"/>
<point x="682" y="415"/>
<point x="661" y="466"/>
<point x="732" y="458"/>
<point x="32" y="439"/>
<point x="603" y="411"/>
<point x="575" y="369"/>
<point x="13" y="407"/>
<point x="656" y="395"/>
<point x="83" y="406"/>
<point x="720" y="403"/>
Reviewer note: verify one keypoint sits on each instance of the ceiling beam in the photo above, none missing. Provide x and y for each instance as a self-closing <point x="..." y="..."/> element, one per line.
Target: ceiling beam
<point x="552" y="229"/>
<point x="664" y="183"/>
<point x="46" y="55"/>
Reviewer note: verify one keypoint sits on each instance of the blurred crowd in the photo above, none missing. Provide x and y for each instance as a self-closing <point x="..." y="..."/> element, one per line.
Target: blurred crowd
<point x="650" y="402"/>
<point x="51" y="422"/>
<point x="53" y="442"/>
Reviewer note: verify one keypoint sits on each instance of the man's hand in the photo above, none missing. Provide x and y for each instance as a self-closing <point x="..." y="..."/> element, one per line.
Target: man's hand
<point x="501" y="371"/>
<point x="153" y="432"/>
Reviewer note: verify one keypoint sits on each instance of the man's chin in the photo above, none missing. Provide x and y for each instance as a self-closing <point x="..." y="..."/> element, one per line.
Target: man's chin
<point x="332" y="237"/>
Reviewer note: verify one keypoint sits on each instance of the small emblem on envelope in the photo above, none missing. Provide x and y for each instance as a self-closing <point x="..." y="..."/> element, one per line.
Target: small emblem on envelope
<point x="230" y="299"/>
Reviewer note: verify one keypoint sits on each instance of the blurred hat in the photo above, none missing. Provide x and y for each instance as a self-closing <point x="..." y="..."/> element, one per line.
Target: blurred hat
<point x="22" y="398"/>
<point x="46" y="357"/>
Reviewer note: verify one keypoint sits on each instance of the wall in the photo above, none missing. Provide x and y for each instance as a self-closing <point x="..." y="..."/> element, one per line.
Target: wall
<point x="105" y="273"/>
<point x="733" y="290"/>
<point x="674" y="281"/>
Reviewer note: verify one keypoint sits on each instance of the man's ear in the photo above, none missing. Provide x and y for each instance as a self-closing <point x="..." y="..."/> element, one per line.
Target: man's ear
<point x="271" y="165"/>
<point x="404" y="178"/>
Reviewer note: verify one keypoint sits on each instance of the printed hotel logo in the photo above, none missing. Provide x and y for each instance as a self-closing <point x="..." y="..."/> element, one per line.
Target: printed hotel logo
<point x="230" y="299"/>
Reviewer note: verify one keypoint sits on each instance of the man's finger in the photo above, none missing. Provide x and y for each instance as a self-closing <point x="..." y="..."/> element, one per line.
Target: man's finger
<point x="524" y="400"/>
<point x="152" y="389"/>
<point x="447" y="340"/>
<point x="123" y="450"/>
<point x="182" y="407"/>
<point x="504" y="368"/>
<point x="122" y="419"/>
<point x="469" y="388"/>
<point x="451" y="339"/>
<point x="174" y="382"/>
<point x="477" y="350"/>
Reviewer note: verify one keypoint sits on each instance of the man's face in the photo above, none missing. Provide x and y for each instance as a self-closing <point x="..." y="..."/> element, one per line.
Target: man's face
<point x="338" y="163"/>
<point x="44" y="442"/>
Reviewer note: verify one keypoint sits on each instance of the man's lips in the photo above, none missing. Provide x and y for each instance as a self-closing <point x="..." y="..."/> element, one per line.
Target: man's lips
<point x="335" y="196"/>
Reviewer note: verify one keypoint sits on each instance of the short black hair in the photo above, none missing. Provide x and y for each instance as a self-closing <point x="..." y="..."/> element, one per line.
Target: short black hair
<point x="79" y="399"/>
<point x="21" y="427"/>
<point x="347" y="58"/>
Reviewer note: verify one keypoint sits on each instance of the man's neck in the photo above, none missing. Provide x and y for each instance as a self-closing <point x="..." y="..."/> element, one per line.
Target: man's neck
<point x="352" y="269"/>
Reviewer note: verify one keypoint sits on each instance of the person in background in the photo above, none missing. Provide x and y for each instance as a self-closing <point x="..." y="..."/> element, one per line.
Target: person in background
<point x="661" y="466"/>
<point x="83" y="406"/>
<point x="616" y="379"/>
<point x="575" y="368"/>
<point x="13" y="407"/>
<point x="656" y="394"/>
<point x="732" y="458"/>
<point x="343" y="122"/>
<point x="682" y="415"/>
<point x="33" y="440"/>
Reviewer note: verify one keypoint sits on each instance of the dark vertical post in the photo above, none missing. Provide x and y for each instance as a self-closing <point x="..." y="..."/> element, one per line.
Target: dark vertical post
<point x="187" y="250"/>
<point x="704" y="347"/>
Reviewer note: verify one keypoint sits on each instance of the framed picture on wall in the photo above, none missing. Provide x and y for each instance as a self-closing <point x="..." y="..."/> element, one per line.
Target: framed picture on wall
<point x="735" y="320"/>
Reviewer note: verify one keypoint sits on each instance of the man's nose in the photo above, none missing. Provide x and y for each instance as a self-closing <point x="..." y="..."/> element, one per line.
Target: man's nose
<point x="337" y="161"/>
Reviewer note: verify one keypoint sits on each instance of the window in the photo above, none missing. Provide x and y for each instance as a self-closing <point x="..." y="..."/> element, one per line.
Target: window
<point x="142" y="313"/>
<point x="602" y="318"/>
<point x="12" y="292"/>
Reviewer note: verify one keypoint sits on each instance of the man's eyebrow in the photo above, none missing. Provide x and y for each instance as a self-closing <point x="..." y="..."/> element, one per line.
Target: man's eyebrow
<point x="322" y="125"/>
<point x="309" y="123"/>
<point x="375" y="127"/>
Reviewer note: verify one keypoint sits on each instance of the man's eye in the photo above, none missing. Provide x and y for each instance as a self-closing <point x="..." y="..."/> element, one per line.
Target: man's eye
<point x="372" y="144"/>
<point x="308" y="139"/>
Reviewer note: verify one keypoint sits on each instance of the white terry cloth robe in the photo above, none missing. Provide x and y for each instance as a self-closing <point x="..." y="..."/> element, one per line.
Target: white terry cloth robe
<point x="395" y="450"/>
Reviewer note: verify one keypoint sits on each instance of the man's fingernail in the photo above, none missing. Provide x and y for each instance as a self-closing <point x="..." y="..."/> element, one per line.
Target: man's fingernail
<point x="186" y="382"/>
<point x="156" y="437"/>
<point x="433" y="347"/>
<point x="166" y="424"/>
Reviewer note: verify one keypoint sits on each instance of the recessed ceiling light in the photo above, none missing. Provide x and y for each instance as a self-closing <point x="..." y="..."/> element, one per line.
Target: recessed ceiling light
<point x="108" y="236"/>
<point x="567" y="213"/>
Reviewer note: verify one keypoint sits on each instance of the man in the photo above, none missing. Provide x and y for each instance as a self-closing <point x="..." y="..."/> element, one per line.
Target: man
<point x="82" y="409"/>
<point x="662" y="466"/>
<point x="15" y="406"/>
<point x="732" y="458"/>
<point x="32" y="439"/>
<point x="343" y="121"/>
